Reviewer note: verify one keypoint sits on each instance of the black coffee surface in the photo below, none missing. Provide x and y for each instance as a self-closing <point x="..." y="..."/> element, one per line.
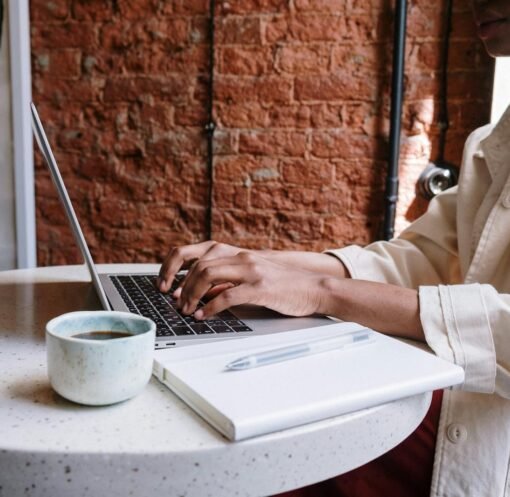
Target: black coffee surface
<point x="102" y="335"/>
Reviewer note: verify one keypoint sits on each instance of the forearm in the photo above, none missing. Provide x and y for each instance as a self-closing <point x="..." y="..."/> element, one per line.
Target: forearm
<point x="386" y="308"/>
<point x="310" y="261"/>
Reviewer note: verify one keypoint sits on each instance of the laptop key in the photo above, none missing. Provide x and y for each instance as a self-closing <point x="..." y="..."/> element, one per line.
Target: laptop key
<point x="221" y="329"/>
<point x="201" y="328"/>
<point x="241" y="328"/>
<point x="182" y="330"/>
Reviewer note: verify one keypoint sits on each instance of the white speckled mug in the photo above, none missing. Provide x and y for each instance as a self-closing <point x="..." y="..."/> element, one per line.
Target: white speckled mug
<point x="99" y="372"/>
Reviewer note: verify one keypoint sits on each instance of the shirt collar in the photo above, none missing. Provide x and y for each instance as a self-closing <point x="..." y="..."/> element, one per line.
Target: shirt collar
<point x="495" y="148"/>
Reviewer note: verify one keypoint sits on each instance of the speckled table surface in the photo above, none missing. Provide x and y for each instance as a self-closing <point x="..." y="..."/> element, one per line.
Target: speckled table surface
<point x="152" y="445"/>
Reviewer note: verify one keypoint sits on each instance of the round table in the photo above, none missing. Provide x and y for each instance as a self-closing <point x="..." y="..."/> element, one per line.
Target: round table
<point x="151" y="445"/>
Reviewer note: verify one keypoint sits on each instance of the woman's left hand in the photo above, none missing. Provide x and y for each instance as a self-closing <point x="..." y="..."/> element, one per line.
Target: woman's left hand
<point x="247" y="278"/>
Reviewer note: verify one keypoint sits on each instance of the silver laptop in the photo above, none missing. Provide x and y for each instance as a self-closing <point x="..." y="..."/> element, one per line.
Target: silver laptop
<point x="137" y="293"/>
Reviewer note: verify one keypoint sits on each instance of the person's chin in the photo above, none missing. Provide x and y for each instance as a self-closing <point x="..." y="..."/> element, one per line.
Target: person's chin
<point x="496" y="37"/>
<point x="497" y="48"/>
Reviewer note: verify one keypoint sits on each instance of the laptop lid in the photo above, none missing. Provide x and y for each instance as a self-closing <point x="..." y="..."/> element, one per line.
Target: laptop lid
<point x="45" y="149"/>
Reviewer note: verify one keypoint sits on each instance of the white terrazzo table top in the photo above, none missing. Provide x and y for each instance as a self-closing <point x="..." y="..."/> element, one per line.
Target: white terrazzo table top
<point x="151" y="445"/>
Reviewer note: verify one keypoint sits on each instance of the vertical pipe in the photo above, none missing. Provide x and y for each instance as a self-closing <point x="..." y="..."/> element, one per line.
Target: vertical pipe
<point x="210" y="127"/>
<point x="391" y="194"/>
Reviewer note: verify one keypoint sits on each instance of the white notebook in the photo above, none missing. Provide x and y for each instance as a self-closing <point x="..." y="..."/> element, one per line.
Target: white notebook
<point x="260" y="400"/>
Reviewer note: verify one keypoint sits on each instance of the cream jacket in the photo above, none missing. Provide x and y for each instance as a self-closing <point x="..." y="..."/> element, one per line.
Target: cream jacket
<point x="458" y="256"/>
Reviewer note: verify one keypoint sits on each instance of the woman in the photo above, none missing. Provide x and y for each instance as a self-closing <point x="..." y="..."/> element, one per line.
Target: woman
<point x="445" y="281"/>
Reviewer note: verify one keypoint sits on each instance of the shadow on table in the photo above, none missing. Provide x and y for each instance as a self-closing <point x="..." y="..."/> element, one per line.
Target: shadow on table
<point x="41" y="394"/>
<point x="26" y="307"/>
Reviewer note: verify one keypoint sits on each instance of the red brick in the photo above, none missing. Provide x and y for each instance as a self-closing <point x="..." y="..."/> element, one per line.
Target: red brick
<point x="60" y="91"/>
<point x="185" y="142"/>
<point x="326" y="115"/>
<point x="285" y="143"/>
<point x="241" y="168"/>
<point x="225" y="142"/>
<point x="64" y="64"/>
<point x="191" y="115"/>
<point x="271" y="89"/>
<point x="136" y="9"/>
<point x="343" y="145"/>
<point x="245" y="61"/>
<point x="307" y="172"/>
<point x="463" y="26"/>
<point x="336" y="86"/>
<point x="464" y="53"/>
<point x="330" y="6"/>
<point x="190" y="6"/>
<point x="239" y="30"/>
<point x="421" y="24"/>
<point x="45" y="11"/>
<point x="361" y="59"/>
<point x="230" y="196"/>
<point x="63" y="35"/>
<point x="253" y="7"/>
<point x="158" y="116"/>
<point x="169" y="32"/>
<point x="242" y="115"/>
<point x="303" y="59"/>
<point x="174" y="88"/>
<point x="92" y="10"/>
<point x="291" y="116"/>
<point x="299" y="227"/>
<point x="315" y="28"/>
<point x="240" y="223"/>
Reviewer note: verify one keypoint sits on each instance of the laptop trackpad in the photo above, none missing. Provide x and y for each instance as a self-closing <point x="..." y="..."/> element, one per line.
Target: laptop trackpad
<point x="264" y="320"/>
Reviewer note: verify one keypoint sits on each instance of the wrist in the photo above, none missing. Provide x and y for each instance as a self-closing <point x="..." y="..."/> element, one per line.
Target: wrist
<point x="331" y="295"/>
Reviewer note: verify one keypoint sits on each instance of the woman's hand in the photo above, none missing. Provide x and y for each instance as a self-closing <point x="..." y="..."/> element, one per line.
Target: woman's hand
<point x="248" y="278"/>
<point x="230" y="276"/>
<point x="183" y="257"/>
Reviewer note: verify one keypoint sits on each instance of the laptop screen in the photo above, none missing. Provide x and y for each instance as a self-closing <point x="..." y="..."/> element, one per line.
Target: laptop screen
<point x="45" y="148"/>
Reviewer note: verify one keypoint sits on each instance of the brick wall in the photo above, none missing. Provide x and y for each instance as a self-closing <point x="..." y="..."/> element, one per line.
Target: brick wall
<point x="301" y="106"/>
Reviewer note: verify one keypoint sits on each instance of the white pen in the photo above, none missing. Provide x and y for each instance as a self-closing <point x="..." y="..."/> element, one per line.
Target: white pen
<point x="359" y="337"/>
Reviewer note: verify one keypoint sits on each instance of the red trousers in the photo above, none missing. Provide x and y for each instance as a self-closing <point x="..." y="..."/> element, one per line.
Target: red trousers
<point x="404" y="471"/>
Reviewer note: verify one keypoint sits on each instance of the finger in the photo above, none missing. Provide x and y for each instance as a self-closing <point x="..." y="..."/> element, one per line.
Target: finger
<point x="209" y="295"/>
<point x="216" y="290"/>
<point x="206" y="274"/>
<point x="241" y="294"/>
<point x="177" y="258"/>
<point x="215" y="251"/>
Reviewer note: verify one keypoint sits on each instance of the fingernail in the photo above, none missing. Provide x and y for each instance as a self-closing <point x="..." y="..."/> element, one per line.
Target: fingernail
<point x="199" y="314"/>
<point x="177" y="292"/>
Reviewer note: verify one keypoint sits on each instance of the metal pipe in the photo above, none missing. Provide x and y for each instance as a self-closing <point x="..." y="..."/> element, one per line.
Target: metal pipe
<point x="210" y="127"/>
<point x="391" y="194"/>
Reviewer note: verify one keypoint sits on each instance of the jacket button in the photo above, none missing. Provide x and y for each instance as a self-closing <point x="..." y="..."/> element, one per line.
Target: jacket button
<point x="456" y="433"/>
<point x="506" y="202"/>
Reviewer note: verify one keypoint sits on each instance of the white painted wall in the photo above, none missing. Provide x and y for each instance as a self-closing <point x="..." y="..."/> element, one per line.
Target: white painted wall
<point x="7" y="197"/>
<point x="23" y="153"/>
<point x="501" y="89"/>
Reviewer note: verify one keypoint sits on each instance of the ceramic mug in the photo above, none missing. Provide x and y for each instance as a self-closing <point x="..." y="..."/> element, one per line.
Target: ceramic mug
<point x="99" y="372"/>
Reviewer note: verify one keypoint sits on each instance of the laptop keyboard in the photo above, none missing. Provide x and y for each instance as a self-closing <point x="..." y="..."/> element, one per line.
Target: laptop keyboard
<point x="141" y="297"/>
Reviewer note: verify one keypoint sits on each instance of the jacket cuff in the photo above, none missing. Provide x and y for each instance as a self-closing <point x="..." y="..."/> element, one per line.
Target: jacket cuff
<point x="456" y="326"/>
<point x="350" y="258"/>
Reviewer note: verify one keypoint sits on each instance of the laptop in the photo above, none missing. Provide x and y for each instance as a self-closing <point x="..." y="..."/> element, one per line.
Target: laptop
<point x="137" y="293"/>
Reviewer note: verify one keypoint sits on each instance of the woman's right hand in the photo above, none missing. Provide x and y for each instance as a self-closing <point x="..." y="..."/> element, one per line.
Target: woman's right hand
<point x="185" y="256"/>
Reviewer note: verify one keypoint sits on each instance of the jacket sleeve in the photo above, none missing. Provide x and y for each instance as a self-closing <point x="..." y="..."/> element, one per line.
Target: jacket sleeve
<point x="424" y="254"/>
<point x="463" y="323"/>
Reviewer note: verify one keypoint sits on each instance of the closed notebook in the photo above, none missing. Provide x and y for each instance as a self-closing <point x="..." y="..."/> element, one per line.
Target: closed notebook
<point x="260" y="400"/>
